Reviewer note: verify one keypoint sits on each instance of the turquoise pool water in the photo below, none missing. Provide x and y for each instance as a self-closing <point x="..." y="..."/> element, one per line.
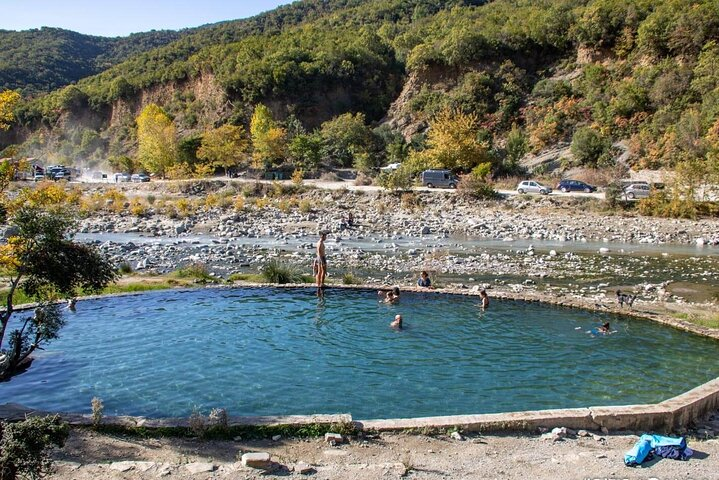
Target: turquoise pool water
<point x="279" y="351"/>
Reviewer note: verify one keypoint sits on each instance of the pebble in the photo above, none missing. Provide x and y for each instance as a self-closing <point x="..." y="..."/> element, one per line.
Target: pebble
<point x="199" y="467"/>
<point x="256" y="460"/>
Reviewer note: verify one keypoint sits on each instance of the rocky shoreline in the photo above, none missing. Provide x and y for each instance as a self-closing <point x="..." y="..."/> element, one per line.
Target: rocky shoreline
<point x="580" y="249"/>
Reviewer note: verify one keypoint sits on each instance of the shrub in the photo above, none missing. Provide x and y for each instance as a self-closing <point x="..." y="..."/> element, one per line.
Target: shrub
<point x="137" y="208"/>
<point x="589" y="146"/>
<point x="150" y="199"/>
<point x="363" y="179"/>
<point x="97" y="411"/>
<point x="125" y="268"/>
<point x="305" y="206"/>
<point x="197" y="270"/>
<point x="297" y="176"/>
<point x="197" y="422"/>
<point x="350" y="278"/>
<point x="239" y="203"/>
<point x="277" y="272"/>
<point x="25" y="446"/>
<point x="396" y="180"/>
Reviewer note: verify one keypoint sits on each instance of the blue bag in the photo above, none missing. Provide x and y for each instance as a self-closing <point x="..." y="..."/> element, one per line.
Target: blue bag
<point x="647" y="443"/>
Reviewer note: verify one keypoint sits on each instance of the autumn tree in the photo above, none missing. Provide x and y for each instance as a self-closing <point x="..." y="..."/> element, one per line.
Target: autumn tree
<point x="8" y="101"/>
<point x="269" y="140"/>
<point x="225" y="147"/>
<point x="41" y="258"/>
<point x="452" y="143"/>
<point x="156" y="134"/>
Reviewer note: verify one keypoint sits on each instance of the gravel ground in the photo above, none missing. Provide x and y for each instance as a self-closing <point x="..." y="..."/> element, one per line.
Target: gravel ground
<point x="89" y="456"/>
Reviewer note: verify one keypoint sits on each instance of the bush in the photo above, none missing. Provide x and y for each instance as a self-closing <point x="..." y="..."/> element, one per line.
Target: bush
<point x="197" y="270"/>
<point x="24" y="446"/>
<point x="396" y="180"/>
<point x="125" y="268"/>
<point x="589" y="146"/>
<point x="277" y="272"/>
<point x="475" y="187"/>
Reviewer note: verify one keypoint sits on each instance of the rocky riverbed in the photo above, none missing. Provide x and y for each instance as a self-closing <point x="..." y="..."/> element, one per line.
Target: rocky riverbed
<point x="567" y="245"/>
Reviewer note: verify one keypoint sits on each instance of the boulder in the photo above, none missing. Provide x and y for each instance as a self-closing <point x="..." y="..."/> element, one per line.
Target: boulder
<point x="256" y="460"/>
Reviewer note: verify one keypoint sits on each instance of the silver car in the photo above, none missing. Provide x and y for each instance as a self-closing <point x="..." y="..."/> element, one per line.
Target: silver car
<point x="530" y="186"/>
<point x="637" y="190"/>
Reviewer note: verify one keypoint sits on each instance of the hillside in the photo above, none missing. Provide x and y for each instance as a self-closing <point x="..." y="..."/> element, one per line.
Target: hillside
<point x="42" y="60"/>
<point x="535" y="74"/>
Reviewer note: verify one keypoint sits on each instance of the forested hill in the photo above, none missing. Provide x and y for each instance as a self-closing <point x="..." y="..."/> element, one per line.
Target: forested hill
<point x="635" y="79"/>
<point x="42" y="60"/>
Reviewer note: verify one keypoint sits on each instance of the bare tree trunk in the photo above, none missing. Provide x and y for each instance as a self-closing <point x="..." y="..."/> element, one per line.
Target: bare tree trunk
<point x="5" y="317"/>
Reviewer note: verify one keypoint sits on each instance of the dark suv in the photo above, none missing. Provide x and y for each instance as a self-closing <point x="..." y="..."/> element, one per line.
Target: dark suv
<point x="575" y="186"/>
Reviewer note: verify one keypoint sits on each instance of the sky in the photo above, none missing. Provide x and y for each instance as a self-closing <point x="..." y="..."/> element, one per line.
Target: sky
<point x="112" y="18"/>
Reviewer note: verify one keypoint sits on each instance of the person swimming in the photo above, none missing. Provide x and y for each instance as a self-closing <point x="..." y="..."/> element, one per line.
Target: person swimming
<point x="391" y="296"/>
<point x="485" y="299"/>
<point x="605" y="328"/>
<point x="397" y="322"/>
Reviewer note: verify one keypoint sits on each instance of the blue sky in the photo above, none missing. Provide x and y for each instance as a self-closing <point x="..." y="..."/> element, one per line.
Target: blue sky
<point x="121" y="17"/>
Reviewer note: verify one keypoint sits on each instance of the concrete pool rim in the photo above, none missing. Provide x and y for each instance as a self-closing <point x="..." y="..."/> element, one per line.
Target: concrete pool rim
<point x="672" y="414"/>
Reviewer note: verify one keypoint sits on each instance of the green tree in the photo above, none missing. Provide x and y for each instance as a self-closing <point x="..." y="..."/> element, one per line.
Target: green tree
<point x="42" y="259"/>
<point x="123" y="163"/>
<point x="589" y="146"/>
<point x="269" y="140"/>
<point x="344" y="137"/>
<point x="8" y="100"/>
<point x="516" y="147"/>
<point x="225" y="147"/>
<point x="306" y="151"/>
<point x="156" y="135"/>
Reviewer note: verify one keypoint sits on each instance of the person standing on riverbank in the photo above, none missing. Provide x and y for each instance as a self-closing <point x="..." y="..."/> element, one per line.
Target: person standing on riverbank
<point x="321" y="261"/>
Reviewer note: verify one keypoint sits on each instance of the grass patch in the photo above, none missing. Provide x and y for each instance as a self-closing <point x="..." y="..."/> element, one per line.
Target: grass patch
<point x="277" y="272"/>
<point x="140" y="287"/>
<point x="246" y="277"/>
<point x="194" y="271"/>
<point x="711" y="320"/>
<point x="217" y="432"/>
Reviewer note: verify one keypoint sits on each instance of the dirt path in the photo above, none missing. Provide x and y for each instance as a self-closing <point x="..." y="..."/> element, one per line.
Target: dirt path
<point x="89" y="456"/>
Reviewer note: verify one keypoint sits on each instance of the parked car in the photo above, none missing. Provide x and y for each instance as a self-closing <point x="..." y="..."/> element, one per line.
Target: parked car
<point x="39" y="177"/>
<point x="530" y="186"/>
<point x="121" y="177"/>
<point x="637" y="190"/>
<point x="140" y="177"/>
<point x="391" y="167"/>
<point x="438" y="178"/>
<point x="575" y="186"/>
<point x="61" y="176"/>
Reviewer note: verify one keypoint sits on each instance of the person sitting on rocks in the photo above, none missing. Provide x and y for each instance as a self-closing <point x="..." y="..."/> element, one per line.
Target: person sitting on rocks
<point x="423" y="280"/>
<point x="397" y="322"/>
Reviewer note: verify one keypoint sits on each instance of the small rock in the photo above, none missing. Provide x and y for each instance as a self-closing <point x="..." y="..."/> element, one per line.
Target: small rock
<point x="457" y="436"/>
<point x="583" y="433"/>
<point x="276" y="438"/>
<point x="199" y="467"/>
<point x="601" y="455"/>
<point x="598" y="438"/>
<point x="256" y="460"/>
<point x="334" y="438"/>
<point x="122" y="466"/>
<point x="605" y="430"/>
<point x="304" y="468"/>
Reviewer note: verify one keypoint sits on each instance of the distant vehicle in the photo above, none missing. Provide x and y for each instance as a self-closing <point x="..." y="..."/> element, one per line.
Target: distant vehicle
<point x="438" y="178"/>
<point x="39" y="177"/>
<point x="637" y="190"/>
<point x="391" y="167"/>
<point x="61" y="176"/>
<point x="530" y="186"/>
<point x="121" y="177"/>
<point x="575" y="186"/>
<point x="140" y="177"/>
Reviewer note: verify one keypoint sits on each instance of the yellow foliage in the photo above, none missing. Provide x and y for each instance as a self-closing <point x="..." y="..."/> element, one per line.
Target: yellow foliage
<point x="178" y="171"/>
<point x="239" y="203"/>
<point x="203" y="171"/>
<point x="138" y="208"/>
<point x="452" y="142"/>
<point x="8" y="100"/>
<point x="49" y="195"/>
<point x="297" y="176"/>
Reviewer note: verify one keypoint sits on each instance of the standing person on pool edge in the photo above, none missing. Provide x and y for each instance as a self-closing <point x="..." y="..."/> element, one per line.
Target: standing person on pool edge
<point x="321" y="260"/>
